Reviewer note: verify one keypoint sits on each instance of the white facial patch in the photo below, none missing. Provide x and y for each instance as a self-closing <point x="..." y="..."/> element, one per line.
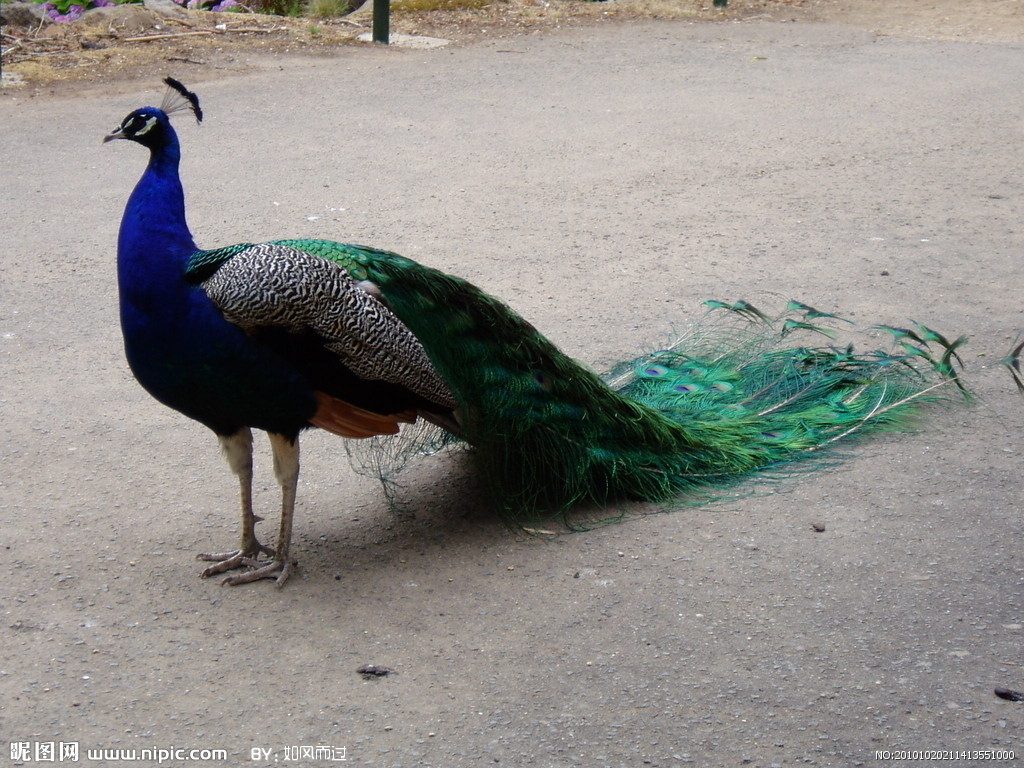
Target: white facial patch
<point x="146" y="126"/>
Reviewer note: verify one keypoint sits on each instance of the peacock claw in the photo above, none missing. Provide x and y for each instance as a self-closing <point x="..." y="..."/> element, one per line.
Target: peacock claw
<point x="279" y="571"/>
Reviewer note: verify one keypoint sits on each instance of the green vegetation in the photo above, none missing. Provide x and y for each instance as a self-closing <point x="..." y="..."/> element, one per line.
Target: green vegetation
<point x="331" y="9"/>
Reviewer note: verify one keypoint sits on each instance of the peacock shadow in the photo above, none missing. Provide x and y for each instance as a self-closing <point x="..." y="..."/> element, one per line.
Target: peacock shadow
<point x="436" y="510"/>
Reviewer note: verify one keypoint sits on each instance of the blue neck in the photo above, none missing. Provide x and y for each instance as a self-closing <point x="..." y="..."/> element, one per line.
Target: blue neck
<point x="155" y="241"/>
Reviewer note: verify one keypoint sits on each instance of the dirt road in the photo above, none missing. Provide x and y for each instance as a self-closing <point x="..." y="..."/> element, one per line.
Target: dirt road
<point x="605" y="181"/>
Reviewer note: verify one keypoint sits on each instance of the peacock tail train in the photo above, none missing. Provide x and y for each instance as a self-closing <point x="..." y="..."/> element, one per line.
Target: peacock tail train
<point x="698" y="415"/>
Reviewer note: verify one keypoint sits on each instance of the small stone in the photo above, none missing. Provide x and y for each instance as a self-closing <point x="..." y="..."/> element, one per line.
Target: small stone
<point x="373" y="670"/>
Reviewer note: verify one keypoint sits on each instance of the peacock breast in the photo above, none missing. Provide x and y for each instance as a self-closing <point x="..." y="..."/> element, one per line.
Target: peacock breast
<point x="190" y="358"/>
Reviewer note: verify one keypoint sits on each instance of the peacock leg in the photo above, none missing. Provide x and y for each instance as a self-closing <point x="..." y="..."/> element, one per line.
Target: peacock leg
<point x="237" y="450"/>
<point x="286" y="469"/>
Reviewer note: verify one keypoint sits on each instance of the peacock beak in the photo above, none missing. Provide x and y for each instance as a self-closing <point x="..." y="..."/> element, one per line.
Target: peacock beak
<point x="118" y="133"/>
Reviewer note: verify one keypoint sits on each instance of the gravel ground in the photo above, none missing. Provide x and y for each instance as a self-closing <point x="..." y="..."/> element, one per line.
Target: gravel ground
<point x="605" y="180"/>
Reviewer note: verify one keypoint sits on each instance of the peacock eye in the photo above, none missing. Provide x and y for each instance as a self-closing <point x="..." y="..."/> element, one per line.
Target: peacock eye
<point x="138" y="125"/>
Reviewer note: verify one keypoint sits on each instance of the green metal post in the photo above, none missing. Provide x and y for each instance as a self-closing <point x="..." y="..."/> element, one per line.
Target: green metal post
<point x="381" y="20"/>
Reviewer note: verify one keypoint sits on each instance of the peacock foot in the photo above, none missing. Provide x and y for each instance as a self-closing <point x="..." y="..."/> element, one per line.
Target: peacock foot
<point x="246" y="557"/>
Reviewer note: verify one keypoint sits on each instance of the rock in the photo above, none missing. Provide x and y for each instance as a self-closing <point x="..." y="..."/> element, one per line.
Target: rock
<point x="407" y="41"/>
<point x="22" y="14"/>
<point x="11" y="79"/>
<point x="130" y="18"/>
<point x="165" y="8"/>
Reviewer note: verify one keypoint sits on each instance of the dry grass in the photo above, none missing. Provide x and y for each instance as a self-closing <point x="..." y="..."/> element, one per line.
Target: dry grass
<point x="466" y="19"/>
<point x="138" y="43"/>
<point x="429" y="6"/>
<point x="661" y="9"/>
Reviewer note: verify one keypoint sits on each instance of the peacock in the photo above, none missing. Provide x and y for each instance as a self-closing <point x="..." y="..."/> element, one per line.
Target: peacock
<point x="287" y="335"/>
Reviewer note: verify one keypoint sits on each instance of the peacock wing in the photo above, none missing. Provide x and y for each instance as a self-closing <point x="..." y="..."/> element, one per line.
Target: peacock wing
<point x="276" y="286"/>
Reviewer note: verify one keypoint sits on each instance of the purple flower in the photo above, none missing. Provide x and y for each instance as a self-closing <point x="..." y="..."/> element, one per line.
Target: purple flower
<point x="101" y="3"/>
<point x="74" y="13"/>
<point x="225" y="5"/>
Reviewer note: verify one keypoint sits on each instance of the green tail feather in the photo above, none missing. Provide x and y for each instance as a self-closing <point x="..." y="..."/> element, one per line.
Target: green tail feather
<point x="1012" y="362"/>
<point x="705" y="412"/>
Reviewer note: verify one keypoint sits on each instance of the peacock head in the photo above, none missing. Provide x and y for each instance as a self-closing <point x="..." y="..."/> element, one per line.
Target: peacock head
<point x="150" y="126"/>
